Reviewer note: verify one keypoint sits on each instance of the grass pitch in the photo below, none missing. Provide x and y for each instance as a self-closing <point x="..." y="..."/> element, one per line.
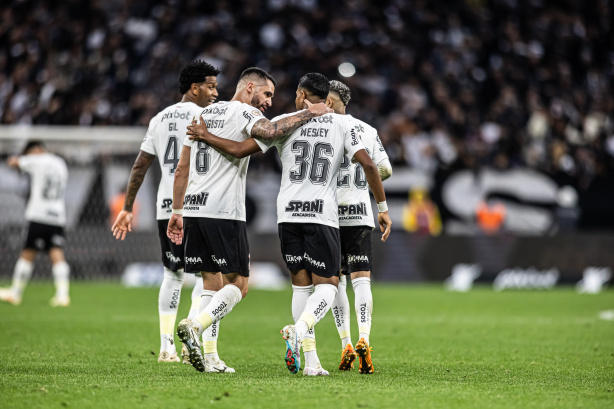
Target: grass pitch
<point x="432" y="349"/>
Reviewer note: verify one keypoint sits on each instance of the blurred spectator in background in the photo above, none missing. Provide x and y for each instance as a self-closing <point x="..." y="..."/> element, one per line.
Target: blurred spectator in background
<point x="494" y="83"/>
<point x="420" y="214"/>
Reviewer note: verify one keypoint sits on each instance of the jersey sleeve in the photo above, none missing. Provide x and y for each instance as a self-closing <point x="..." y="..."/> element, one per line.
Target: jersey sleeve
<point x="27" y="163"/>
<point x="149" y="144"/>
<point x="378" y="153"/>
<point x="247" y="117"/>
<point x="352" y="143"/>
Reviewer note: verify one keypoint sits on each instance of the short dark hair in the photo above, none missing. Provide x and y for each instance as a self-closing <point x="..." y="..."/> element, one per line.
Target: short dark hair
<point x="194" y="73"/>
<point x="31" y="145"/>
<point x="315" y="83"/>
<point x="342" y="90"/>
<point x="257" y="73"/>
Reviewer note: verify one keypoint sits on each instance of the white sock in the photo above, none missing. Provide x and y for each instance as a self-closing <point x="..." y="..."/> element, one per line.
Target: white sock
<point x="210" y="334"/>
<point x="61" y="273"/>
<point x="21" y="275"/>
<point x="197" y="292"/>
<point x="168" y="302"/>
<point x="300" y="295"/>
<point x="316" y="308"/>
<point x="341" y="312"/>
<point x="363" y="304"/>
<point x="221" y="304"/>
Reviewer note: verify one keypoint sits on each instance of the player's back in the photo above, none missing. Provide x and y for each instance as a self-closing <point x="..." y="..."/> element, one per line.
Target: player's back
<point x="48" y="178"/>
<point x="352" y="186"/>
<point x="216" y="186"/>
<point x="311" y="157"/>
<point x="164" y="138"/>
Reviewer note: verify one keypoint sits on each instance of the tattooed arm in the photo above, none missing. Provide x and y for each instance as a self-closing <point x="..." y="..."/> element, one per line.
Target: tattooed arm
<point x="270" y="131"/>
<point x="123" y="223"/>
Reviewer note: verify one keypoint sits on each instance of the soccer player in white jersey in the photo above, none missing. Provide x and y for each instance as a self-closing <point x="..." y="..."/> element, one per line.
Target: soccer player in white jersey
<point x="164" y="139"/>
<point x="209" y="203"/>
<point x="46" y="214"/>
<point x="355" y="225"/>
<point x="307" y="208"/>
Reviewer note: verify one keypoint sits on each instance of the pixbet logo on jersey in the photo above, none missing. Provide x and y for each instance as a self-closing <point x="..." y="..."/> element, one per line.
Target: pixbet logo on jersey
<point x="305" y="209"/>
<point x="360" y="208"/>
<point x="176" y="114"/>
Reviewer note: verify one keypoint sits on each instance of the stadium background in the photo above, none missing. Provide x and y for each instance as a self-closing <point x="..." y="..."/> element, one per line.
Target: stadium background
<point x="506" y="102"/>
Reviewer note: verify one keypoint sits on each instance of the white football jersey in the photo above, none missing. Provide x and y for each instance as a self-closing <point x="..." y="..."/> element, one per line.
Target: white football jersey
<point x="310" y="158"/>
<point x="164" y="138"/>
<point x="216" y="186"/>
<point x="48" y="177"/>
<point x="352" y="186"/>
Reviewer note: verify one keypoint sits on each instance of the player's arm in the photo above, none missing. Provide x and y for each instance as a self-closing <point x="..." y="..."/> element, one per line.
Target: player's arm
<point x="199" y="132"/>
<point x="180" y="184"/>
<point x="375" y="183"/>
<point x="123" y="223"/>
<point x="270" y="131"/>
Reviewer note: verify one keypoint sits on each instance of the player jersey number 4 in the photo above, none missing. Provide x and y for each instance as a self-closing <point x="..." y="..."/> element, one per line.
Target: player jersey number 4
<point x="311" y="157"/>
<point x="164" y="138"/>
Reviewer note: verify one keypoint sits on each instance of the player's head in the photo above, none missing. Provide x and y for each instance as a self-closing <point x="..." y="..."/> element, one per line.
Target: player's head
<point x="338" y="96"/>
<point x="312" y="87"/>
<point x="198" y="83"/>
<point x="259" y="87"/>
<point x="34" y="147"/>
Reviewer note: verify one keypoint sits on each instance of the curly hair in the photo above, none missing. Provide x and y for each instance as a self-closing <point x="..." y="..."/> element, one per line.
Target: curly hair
<point x="194" y="73"/>
<point x="316" y="83"/>
<point x="342" y="90"/>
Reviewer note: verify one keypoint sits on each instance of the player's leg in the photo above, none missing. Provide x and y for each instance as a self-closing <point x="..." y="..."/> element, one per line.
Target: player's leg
<point x="226" y="249"/>
<point x="341" y="305"/>
<point x="169" y="295"/>
<point x="292" y="250"/>
<point x="61" y="277"/>
<point x="301" y="291"/>
<point x="197" y="292"/>
<point x="213" y="363"/>
<point x="322" y="258"/>
<point x="21" y="276"/>
<point x="360" y="272"/>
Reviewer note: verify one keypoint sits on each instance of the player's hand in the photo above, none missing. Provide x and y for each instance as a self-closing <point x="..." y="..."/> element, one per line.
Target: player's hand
<point x="197" y="131"/>
<point x="13" y="161"/>
<point x="122" y="225"/>
<point x="318" y="109"/>
<point x="175" y="229"/>
<point x="384" y="224"/>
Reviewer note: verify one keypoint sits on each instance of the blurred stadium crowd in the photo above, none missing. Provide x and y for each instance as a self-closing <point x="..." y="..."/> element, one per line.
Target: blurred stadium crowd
<point x="500" y="83"/>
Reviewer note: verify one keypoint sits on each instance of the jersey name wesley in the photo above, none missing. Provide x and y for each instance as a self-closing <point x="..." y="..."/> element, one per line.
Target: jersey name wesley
<point x="216" y="186"/>
<point x="164" y="138"/>
<point x="352" y="187"/>
<point x="311" y="157"/>
<point x="48" y="177"/>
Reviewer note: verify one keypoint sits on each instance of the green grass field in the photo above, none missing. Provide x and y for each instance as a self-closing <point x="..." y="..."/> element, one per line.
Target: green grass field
<point x="432" y="349"/>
